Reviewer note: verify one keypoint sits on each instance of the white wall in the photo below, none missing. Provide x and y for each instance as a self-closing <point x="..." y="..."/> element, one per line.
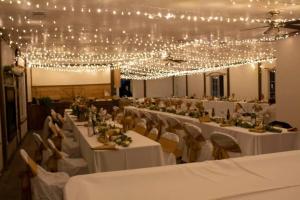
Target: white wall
<point x="41" y="77"/>
<point x="159" y="87"/>
<point x="137" y="88"/>
<point x="195" y="83"/>
<point x="244" y="81"/>
<point x="288" y="81"/>
<point x="180" y="86"/>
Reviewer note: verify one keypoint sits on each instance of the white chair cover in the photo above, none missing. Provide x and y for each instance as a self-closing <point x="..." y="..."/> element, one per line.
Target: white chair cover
<point x="170" y="158"/>
<point x="46" y="130"/>
<point x="72" y="166"/>
<point x="47" y="153"/>
<point x="230" y="138"/>
<point x="67" y="125"/>
<point x="206" y="147"/>
<point x="46" y="185"/>
<point x="66" y="133"/>
<point x="142" y="124"/>
<point x="71" y="147"/>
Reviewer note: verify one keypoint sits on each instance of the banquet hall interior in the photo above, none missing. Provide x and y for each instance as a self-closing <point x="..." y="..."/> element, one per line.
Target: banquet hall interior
<point x="149" y="99"/>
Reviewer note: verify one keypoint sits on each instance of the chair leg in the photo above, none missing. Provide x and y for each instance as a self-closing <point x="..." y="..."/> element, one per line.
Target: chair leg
<point x="26" y="185"/>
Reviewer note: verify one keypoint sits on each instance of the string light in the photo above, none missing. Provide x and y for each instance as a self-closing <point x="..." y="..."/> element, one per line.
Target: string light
<point x="145" y="55"/>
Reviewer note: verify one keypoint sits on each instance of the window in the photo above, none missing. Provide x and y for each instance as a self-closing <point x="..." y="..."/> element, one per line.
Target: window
<point x="217" y="86"/>
<point x="272" y="85"/>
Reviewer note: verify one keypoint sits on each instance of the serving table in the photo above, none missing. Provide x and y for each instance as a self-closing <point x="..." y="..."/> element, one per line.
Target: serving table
<point x="141" y="153"/>
<point x="270" y="176"/>
<point x="251" y="143"/>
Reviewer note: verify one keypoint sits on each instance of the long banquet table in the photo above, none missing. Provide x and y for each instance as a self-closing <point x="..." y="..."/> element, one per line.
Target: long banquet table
<point x="141" y="153"/>
<point x="269" y="176"/>
<point x="251" y="143"/>
<point x="221" y="107"/>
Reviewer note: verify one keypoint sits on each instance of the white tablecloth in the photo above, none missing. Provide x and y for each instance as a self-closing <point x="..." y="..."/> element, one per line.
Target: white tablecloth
<point x="141" y="153"/>
<point x="251" y="143"/>
<point x="271" y="176"/>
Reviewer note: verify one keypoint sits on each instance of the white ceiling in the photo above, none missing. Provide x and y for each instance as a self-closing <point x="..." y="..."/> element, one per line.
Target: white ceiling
<point x="106" y="29"/>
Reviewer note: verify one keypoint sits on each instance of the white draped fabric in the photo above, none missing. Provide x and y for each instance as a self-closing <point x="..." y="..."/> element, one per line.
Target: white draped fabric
<point x="270" y="176"/>
<point x="251" y="143"/>
<point x="141" y="153"/>
<point x="47" y="185"/>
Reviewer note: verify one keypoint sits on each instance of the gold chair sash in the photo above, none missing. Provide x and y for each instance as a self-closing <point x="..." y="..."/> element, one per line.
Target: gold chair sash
<point x="169" y="146"/>
<point x="152" y="136"/>
<point x="219" y="153"/>
<point x="193" y="146"/>
<point x="141" y="130"/>
<point x="223" y="144"/>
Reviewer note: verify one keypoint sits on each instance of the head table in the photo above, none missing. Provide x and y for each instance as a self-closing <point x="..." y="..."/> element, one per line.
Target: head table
<point x="221" y="107"/>
<point x="251" y="143"/>
<point x="141" y="153"/>
<point x="269" y="176"/>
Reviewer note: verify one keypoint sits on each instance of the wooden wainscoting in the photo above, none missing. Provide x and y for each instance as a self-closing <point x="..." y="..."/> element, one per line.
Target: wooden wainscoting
<point x="59" y="92"/>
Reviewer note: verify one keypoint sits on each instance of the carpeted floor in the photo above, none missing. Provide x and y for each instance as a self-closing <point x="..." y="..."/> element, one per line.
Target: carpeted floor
<point x="10" y="182"/>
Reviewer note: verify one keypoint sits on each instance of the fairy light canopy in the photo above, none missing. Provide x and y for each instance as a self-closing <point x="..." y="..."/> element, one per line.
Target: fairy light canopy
<point x="145" y="40"/>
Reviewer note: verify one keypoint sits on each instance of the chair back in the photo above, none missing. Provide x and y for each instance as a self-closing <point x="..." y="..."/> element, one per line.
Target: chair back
<point x="31" y="164"/>
<point x="193" y="131"/>
<point x="60" y="133"/>
<point x="193" y="141"/>
<point x="153" y="134"/>
<point x="128" y="123"/>
<point x="53" y="114"/>
<point x="140" y="128"/>
<point x="223" y="144"/>
<point x="54" y="149"/>
<point x="46" y="130"/>
<point x="39" y="141"/>
<point x="53" y="129"/>
<point x="174" y="123"/>
<point x="169" y="142"/>
<point x="60" y="118"/>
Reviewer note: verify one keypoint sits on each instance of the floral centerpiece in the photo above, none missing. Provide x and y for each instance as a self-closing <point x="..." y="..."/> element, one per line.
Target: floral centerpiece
<point x="79" y="108"/>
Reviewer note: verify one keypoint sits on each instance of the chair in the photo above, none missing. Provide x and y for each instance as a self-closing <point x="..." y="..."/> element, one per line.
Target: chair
<point x="153" y="134"/>
<point x="45" y="185"/>
<point x="66" y="125"/>
<point x="224" y="146"/>
<point x="128" y="123"/>
<point x="72" y="166"/>
<point x="67" y="145"/>
<point x="140" y="128"/>
<point x="115" y="111"/>
<point x="65" y="133"/>
<point x="151" y="121"/>
<point x="196" y="148"/>
<point x="174" y="123"/>
<point x="42" y="153"/>
<point x="169" y="142"/>
<point x="46" y="129"/>
<point x="162" y="124"/>
<point x="175" y="126"/>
